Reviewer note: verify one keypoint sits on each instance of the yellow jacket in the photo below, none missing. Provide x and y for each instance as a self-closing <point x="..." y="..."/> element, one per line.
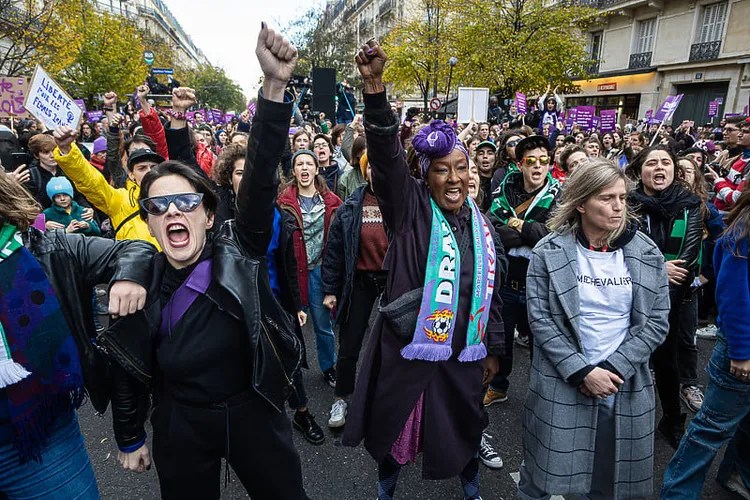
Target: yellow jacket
<point x="118" y="204"/>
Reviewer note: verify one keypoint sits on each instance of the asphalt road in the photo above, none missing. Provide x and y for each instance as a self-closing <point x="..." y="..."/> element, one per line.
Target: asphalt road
<point x="332" y="471"/>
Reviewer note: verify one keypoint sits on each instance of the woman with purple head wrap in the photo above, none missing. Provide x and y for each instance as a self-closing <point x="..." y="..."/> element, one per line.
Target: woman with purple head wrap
<point x="439" y="329"/>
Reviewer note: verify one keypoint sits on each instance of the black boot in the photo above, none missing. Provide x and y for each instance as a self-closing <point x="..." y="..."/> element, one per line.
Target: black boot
<point x="672" y="428"/>
<point x="304" y="422"/>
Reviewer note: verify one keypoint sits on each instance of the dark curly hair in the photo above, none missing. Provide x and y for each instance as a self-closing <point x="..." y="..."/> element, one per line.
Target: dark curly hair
<point x="222" y="173"/>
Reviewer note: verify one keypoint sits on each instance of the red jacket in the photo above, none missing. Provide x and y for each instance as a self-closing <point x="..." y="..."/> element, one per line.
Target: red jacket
<point x="288" y="201"/>
<point x="153" y="128"/>
<point x="205" y="158"/>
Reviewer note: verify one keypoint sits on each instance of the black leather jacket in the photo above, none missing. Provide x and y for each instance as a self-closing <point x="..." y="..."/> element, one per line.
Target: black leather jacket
<point x="239" y="287"/>
<point x="74" y="264"/>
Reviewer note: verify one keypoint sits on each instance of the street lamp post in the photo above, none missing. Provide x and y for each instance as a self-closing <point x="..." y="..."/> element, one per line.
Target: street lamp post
<point x="452" y="63"/>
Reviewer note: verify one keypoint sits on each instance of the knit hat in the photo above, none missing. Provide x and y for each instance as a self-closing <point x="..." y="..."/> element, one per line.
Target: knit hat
<point x="363" y="164"/>
<point x="59" y="185"/>
<point x="300" y="152"/>
<point x="100" y="144"/>
<point x="436" y="140"/>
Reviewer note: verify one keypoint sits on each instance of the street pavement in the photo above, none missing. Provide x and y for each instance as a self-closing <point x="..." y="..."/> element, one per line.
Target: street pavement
<point x="332" y="471"/>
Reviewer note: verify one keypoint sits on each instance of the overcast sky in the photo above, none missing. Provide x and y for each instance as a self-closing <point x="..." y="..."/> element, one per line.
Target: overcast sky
<point x="227" y="30"/>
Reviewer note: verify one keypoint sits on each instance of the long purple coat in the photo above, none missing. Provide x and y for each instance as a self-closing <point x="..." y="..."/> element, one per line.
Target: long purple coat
<point x="388" y="385"/>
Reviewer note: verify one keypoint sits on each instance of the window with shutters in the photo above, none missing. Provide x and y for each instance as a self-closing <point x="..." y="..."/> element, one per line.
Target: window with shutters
<point x="711" y="27"/>
<point x="645" y="35"/>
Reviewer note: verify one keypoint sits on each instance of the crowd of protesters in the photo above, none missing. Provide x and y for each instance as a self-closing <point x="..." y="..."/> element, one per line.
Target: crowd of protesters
<point x="604" y="254"/>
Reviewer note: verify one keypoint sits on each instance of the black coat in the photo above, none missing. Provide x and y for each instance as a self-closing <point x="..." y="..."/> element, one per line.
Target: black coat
<point x="239" y="287"/>
<point x="74" y="264"/>
<point x="342" y="251"/>
<point x="389" y="386"/>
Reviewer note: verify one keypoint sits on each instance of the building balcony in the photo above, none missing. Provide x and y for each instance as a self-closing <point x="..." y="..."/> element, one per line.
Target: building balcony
<point x="706" y="51"/>
<point x="593" y="68"/>
<point x="640" y="61"/>
<point x="387" y="7"/>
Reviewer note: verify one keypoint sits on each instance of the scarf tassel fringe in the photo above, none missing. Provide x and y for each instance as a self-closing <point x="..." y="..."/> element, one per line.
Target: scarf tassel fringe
<point x="473" y="353"/>
<point x="426" y="352"/>
<point x="11" y="372"/>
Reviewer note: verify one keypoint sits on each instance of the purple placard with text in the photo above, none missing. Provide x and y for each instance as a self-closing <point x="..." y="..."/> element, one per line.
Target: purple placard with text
<point x="80" y="104"/>
<point x="668" y="107"/>
<point x="713" y="108"/>
<point x="608" y="120"/>
<point x="228" y="118"/>
<point x="585" y="116"/>
<point x="190" y="116"/>
<point x="94" y="116"/>
<point x="595" y="122"/>
<point x="521" y="103"/>
<point x="218" y="116"/>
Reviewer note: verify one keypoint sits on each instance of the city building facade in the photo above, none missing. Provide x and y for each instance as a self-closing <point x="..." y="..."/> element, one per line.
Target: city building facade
<point x="645" y="50"/>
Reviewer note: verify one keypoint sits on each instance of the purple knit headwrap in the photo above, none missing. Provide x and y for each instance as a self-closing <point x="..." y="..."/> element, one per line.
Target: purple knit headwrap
<point x="436" y="140"/>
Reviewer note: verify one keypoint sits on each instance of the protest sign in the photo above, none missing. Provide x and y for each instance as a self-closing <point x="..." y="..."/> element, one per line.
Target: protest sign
<point x="80" y="104"/>
<point x="217" y="115"/>
<point x="228" y="118"/>
<point x="190" y="116"/>
<point x="713" y="109"/>
<point x="521" y="103"/>
<point x="472" y="104"/>
<point x="595" y="121"/>
<point x="94" y="116"/>
<point x="13" y="89"/>
<point x="585" y="116"/>
<point x="48" y="102"/>
<point x="668" y="107"/>
<point x="608" y="120"/>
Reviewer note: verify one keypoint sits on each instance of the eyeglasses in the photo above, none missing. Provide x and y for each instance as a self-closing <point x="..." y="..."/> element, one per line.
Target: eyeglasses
<point x="530" y="161"/>
<point x="184" y="202"/>
<point x="728" y="130"/>
<point x="513" y="143"/>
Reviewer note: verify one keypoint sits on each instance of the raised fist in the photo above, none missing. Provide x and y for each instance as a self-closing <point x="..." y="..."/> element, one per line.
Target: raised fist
<point x="182" y="98"/>
<point x="276" y="55"/>
<point x="371" y="61"/>
<point x="64" y="137"/>
<point x="142" y="92"/>
<point x="110" y="99"/>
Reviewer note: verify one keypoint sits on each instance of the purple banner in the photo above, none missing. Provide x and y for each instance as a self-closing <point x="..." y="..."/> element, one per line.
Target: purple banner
<point x="585" y="116"/>
<point x="713" y="109"/>
<point x="521" y="103"/>
<point x="94" y="116"/>
<point x="80" y="104"/>
<point x="608" y="120"/>
<point x="668" y="107"/>
<point x="218" y="116"/>
<point x="228" y="118"/>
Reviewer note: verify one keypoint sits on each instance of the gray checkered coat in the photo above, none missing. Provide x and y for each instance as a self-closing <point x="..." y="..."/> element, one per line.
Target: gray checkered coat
<point x="559" y="421"/>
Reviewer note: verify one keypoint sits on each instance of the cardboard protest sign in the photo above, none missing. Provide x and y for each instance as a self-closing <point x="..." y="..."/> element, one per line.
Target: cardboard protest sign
<point x="13" y="90"/>
<point x="473" y="104"/>
<point x="608" y="120"/>
<point x="521" y="103"/>
<point x="48" y="102"/>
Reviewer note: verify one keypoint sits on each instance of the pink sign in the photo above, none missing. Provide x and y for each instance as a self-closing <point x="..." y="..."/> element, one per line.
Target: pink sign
<point x="12" y="94"/>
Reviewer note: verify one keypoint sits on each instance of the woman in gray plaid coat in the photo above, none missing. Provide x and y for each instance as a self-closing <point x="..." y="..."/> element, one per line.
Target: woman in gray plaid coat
<point x="598" y="302"/>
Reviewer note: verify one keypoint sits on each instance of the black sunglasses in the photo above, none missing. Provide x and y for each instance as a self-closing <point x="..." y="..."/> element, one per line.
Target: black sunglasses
<point x="184" y="202"/>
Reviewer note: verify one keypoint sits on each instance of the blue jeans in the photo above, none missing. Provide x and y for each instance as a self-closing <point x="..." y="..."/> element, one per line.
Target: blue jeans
<point x="64" y="472"/>
<point x="723" y="418"/>
<point x="325" y="341"/>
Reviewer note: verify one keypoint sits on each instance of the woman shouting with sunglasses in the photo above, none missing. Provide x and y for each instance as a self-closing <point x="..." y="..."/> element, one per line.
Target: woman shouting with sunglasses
<point x="519" y="214"/>
<point x="212" y="343"/>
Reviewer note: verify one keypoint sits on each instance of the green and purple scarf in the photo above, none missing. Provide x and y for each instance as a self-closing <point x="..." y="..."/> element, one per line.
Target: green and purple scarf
<point x="437" y="313"/>
<point x="39" y="365"/>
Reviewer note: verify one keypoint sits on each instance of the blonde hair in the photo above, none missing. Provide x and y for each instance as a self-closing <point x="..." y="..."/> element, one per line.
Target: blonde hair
<point x="17" y="206"/>
<point x="586" y="181"/>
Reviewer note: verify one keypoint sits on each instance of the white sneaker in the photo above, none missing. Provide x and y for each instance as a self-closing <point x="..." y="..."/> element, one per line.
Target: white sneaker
<point x="708" y="332"/>
<point x="487" y="453"/>
<point x="338" y="414"/>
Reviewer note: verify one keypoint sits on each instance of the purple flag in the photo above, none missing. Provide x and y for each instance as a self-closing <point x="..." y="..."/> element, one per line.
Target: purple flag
<point x="668" y="107"/>
<point x="608" y="120"/>
<point x="521" y="103"/>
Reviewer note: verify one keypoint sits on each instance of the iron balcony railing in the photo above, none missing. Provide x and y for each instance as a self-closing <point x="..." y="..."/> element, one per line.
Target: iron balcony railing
<point x="706" y="51"/>
<point x="640" y="61"/>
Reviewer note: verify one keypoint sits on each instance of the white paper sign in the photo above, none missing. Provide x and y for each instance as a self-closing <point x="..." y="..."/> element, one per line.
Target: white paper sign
<point x="48" y="102"/>
<point x="473" y="104"/>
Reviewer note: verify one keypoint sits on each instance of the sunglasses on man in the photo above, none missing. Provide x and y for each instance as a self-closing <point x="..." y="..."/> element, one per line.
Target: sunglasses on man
<point x="530" y="161"/>
<point x="184" y="202"/>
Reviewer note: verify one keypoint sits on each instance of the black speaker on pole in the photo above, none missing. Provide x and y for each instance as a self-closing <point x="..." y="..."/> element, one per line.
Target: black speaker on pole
<point x="324" y="92"/>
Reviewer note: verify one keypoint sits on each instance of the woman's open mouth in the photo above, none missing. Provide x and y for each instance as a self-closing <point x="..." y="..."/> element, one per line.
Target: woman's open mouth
<point x="178" y="235"/>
